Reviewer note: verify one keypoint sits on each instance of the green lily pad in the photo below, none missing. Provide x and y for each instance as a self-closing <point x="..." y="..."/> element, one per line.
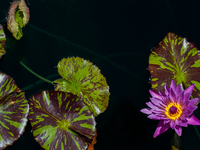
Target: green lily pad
<point x="175" y="58"/>
<point x="85" y="80"/>
<point x="2" y="41"/>
<point x="13" y="111"/>
<point x="61" y="120"/>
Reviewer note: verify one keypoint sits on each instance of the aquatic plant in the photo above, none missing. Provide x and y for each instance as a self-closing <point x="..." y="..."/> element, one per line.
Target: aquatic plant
<point x="14" y="110"/>
<point x="175" y="58"/>
<point x="2" y="41"/>
<point x="85" y="80"/>
<point x="18" y="17"/>
<point x="173" y="108"/>
<point x="175" y="61"/>
<point x="63" y="118"/>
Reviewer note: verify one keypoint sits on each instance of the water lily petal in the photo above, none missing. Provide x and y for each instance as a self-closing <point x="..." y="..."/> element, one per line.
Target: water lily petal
<point x="172" y="124"/>
<point x="181" y="122"/>
<point x="172" y="95"/>
<point x="178" y="90"/>
<point x="146" y="111"/>
<point x="193" y="101"/>
<point x="166" y="89"/>
<point x="156" y="101"/>
<point x="178" y="130"/>
<point x="156" y="95"/>
<point x="190" y="88"/>
<point x="154" y="117"/>
<point x="173" y="85"/>
<point x="180" y="97"/>
<point x="162" y="94"/>
<point x="193" y="120"/>
<point x="187" y="96"/>
<point x="192" y="108"/>
<point x="161" y="128"/>
<point x="166" y="121"/>
<point x="152" y="106"/>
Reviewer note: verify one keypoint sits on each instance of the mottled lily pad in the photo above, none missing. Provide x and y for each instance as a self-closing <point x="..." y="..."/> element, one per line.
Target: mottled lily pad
<point x="61" y="120"/>
<point x="13" y="111"/>
<point x="175" y="58"/>
<point x="18" y="17"/>
<point x="85" y="80"/>
<point x="2" y="41"/>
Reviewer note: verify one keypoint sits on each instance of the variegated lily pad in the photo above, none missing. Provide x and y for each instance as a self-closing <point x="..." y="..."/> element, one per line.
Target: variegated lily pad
<point x="85" y="80"/>
<point x="175" y="58"/>
<point x="18" y="17"/>
<point x="61" y="120"/>
<point x="2" y="41"/>
<point x="13" y="111"/>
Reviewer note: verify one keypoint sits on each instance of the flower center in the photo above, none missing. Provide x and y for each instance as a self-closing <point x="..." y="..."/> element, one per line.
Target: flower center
<point x="173" y="111"/>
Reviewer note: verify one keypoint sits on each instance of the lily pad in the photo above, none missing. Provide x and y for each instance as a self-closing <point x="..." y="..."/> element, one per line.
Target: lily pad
<point x="175" y="58"/>
<point x="13" y="111"/>
<point x="18" y="17"/>
<point x="61" y="120"/>
<point x="85" y="80"/>
<point x="2" y="41"/>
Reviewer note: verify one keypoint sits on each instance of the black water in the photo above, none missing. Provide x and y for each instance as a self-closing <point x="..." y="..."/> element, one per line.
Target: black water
<point x="123" y="31"/>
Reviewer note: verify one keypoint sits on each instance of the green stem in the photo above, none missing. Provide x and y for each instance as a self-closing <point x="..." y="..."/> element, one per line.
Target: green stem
<point x="176" y="142"/>
<point x="197" y="131"/>
<point x="37" y="75"/>
<point x="3" y="20"/>
<point x="90" y="52"/>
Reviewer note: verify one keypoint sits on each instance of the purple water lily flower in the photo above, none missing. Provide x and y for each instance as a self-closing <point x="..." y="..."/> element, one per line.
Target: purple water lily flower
<point x="173" y="108"/>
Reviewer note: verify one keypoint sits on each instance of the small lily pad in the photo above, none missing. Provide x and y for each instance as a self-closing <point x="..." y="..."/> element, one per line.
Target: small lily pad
<point x="13" y="111"/>
<point x="175" y="58"/>
<point x="61" y="120"/>
<point x="18" y="17"/>
<point x="2" y="41"/>
<point x="85" y="80"/>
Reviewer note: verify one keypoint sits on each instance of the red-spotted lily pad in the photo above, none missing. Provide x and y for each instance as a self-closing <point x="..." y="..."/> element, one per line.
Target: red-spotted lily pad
<point x="13" y="111"/>
<point x="175" y="58"/>
<point x="85" y="80"/>
<point x="61" y="120"/>
<point x="18" y="17"/>
<point x="2" y="41"/>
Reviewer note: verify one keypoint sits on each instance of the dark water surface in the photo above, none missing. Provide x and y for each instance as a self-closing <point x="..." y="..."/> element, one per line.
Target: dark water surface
<point x="117" y="36"/>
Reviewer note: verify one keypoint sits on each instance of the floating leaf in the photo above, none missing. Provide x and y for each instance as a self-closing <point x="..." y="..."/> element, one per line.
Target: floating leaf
<point x="85" y="80"/>
<point x="61" y="120"/>
<point x="94" y="141"/>
<point x="2" y="41"/>
<point x="175" y="58"/>
<point x="13" y="111"/>
<point x="18" y="17"/>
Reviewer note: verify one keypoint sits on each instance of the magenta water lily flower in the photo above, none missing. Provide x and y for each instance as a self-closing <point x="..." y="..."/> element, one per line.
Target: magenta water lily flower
<point x="173" y="108"/>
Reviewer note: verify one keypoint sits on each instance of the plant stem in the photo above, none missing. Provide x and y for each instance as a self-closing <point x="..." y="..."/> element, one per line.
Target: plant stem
<point x="90" y="52"/>
<point x="37" y="75"/>
<point x="197" y="131"/>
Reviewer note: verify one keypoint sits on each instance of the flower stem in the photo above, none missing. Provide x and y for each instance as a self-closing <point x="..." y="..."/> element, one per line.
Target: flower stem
<point x="176" y="142"/>
<point x="197" y="131"/>
<point x="37" y="75"/>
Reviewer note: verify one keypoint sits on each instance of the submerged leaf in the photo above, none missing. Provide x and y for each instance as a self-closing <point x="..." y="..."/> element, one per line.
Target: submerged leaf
<point x="2" y="41"/>
<point x="61" y="120"/>
<point x="85" y="80"/>
<point x="18" y="17"/>
<point x="175" y="58"/>
<point x="13" y="111"/>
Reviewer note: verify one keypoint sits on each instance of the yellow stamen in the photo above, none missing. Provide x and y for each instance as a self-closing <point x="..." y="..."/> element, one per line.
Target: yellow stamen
<point x="176" y="114"/>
